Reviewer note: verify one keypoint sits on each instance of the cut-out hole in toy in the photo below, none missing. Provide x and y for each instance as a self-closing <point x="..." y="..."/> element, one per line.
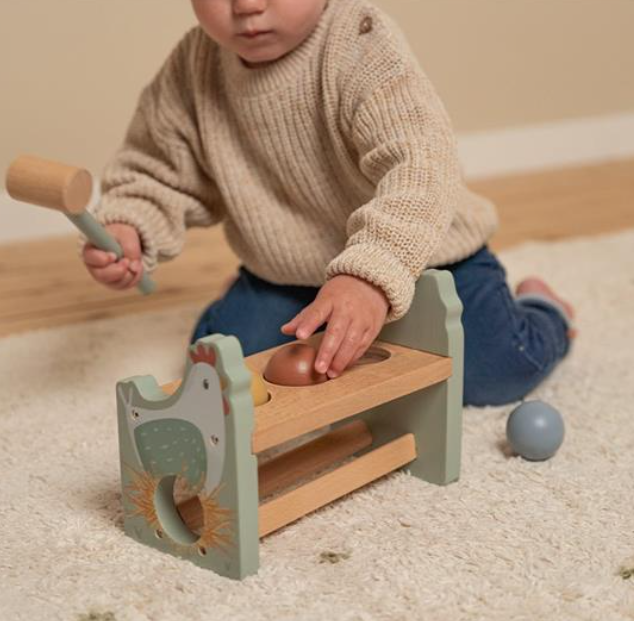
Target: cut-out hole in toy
<point x="188" y="505"/>
<point x="158" y="533"/>
<point x="372" y="356"/>
<point x="170" y="492"/>
<point x="294" y="364"/>
<point x="202" y="551"/>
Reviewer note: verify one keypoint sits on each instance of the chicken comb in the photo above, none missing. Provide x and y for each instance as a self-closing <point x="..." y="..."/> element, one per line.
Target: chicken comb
<point x="202" y="354"/>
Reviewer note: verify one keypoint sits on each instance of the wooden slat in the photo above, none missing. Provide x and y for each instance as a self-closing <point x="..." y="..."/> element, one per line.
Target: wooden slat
<point x="292" y="466"/>
<point x="294" y="411"/>
<point x="284" y="470"/>
<point x="295" y="504"/>
<point x="191" y="513"/>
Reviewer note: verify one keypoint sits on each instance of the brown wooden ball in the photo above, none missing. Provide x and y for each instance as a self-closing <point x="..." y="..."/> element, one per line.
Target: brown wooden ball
<point x="294" y="365"/>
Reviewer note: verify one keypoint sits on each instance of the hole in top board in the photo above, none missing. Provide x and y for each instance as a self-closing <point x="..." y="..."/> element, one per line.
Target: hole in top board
<point x="372" y="356"/>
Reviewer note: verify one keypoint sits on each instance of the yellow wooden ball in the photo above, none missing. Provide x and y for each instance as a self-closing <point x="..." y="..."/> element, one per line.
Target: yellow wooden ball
<point x="259" y="393"/>
<point x="258" y="388"/>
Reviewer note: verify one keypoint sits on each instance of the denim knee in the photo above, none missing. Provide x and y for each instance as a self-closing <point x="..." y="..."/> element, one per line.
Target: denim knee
<point x="506" y="368"/>
<point x="510" y="348"/>
<point x="253" y="310"/>
<point x="507" y="380"/>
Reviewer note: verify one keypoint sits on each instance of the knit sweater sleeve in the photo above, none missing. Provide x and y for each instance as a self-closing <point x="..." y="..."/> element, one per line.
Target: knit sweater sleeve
<point x="157" y="181"/>
<point x="406" y="149"/>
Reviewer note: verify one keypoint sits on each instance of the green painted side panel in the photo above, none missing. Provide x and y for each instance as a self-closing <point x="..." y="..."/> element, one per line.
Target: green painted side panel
<point x="229" y="542"/>
<point x="189" y="432"/>
<point x="433" y="415"/>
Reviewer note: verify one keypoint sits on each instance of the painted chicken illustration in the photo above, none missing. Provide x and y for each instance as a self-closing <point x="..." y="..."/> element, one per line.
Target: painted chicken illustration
<point x="180" y="436"/>
<point x="183" y="434"/>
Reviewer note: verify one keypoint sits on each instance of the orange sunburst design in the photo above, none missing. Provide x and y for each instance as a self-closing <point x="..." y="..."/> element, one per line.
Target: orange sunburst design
<point x="217" y="529"/>
<point x="140" y="492"/>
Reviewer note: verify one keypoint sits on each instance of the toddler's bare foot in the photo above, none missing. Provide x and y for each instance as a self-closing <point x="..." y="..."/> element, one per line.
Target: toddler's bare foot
<point x="537" y="285"/>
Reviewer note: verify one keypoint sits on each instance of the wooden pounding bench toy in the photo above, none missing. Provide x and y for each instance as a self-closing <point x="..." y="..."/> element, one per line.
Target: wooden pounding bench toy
<point x="204" y="434"/>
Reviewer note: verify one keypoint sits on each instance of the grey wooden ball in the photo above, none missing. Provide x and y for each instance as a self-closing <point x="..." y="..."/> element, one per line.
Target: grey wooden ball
<point x="535" y="430"/>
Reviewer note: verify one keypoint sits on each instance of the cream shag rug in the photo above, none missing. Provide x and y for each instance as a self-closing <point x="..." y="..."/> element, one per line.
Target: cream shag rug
<point x="510" y="540"/>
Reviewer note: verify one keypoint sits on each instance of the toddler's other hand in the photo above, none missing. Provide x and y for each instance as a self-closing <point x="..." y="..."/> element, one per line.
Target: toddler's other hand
<point x="355" y="311"/>
<point x="104" y="267"/>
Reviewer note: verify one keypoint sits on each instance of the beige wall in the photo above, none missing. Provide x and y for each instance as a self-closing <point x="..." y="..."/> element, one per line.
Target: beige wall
<point x="71" y="69"/>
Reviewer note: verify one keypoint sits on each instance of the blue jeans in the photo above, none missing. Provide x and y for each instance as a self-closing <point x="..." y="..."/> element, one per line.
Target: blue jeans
<point x="510" y="345"/>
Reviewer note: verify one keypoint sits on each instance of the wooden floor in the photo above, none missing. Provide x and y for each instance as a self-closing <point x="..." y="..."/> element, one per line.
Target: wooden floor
<point x="44" y="284"/>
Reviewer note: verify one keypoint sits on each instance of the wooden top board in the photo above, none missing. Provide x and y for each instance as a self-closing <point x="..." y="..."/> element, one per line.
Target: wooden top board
<point x="295" y="410"/>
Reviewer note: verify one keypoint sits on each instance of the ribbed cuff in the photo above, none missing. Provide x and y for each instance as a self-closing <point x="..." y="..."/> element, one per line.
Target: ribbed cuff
<point x="380" y="268"/>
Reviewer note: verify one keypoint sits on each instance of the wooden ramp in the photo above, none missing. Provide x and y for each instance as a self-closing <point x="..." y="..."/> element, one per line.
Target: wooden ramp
<point x="286" y="469"/>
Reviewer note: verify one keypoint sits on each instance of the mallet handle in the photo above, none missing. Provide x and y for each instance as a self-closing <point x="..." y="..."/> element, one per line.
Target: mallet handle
<point x="67" y="189"/>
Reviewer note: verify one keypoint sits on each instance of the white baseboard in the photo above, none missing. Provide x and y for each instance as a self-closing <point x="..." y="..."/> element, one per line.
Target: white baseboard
<point x="550" y="145"/>
<point x="483" y="154"/>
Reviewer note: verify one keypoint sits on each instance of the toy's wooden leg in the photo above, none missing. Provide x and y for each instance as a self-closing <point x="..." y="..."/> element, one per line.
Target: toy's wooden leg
<point x="201" y="433"/>
<point x="433" y="415"/>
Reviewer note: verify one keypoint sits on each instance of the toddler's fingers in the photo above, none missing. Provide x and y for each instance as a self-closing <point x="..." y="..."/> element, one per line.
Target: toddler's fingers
<point x="125" y="282"/>
<point x="308" y="319"/>
<point x="335" y="332"/>
<point x="313" y="316"/>
<point x="347" y="348"/>
<point x="93" y="257"/>
<point x="291" y="326"/>
<point x="133" y="275"/>
<point x="136" y="267"/>
<point x="366" y="341"/>
<point x="111" y="273"/>
<point x="130" y="243"/>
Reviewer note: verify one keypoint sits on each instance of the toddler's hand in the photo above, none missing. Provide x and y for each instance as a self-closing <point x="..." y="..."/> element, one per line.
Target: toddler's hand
<point x="355" y="311"/>
<point x="104" y="267"/>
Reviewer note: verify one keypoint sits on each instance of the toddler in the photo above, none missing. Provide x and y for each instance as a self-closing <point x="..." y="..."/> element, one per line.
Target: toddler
<point x="309" y="130"/>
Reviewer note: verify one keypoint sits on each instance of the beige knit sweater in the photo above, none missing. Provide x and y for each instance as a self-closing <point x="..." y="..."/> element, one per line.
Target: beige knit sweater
<point x="337" y="158"/>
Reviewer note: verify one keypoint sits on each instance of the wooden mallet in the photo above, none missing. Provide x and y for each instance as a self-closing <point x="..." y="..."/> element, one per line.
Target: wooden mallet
<point x="67" y="189"/>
